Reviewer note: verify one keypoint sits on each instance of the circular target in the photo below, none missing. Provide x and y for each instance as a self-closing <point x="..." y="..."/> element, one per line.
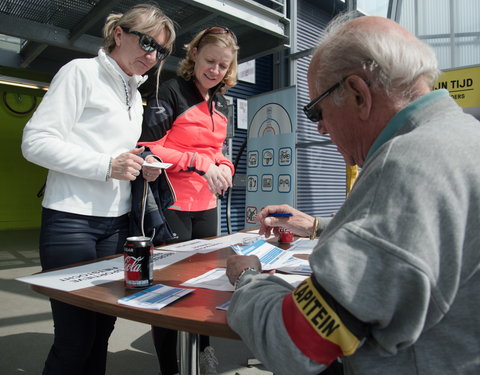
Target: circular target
<point x="271" y="119"/>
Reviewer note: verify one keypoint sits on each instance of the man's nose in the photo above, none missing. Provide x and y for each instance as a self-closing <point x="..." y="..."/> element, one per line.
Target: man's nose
<point x="321" y="128"/>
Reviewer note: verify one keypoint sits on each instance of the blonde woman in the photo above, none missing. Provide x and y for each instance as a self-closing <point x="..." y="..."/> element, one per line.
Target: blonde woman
<point x="185" y="123"/>
<point x="85" y="132"/>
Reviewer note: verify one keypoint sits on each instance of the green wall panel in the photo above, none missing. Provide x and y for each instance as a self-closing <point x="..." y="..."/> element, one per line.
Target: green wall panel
<point x="20" y="180"/>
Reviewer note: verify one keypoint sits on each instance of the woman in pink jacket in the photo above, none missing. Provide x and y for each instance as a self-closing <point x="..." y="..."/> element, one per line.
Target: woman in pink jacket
<point x="185" y="124"/>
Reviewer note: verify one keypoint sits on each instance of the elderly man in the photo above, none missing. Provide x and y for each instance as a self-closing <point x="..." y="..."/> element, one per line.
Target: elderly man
<point x="396" y="273"/>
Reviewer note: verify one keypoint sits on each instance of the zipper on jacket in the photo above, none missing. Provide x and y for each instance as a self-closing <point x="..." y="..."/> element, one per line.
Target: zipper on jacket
<point x="127" y="98"/>
<point x="210" y="102"/>
<point x="111" y="68"/>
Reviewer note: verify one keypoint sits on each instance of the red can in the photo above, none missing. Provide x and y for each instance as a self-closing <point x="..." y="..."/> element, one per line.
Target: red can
<point x="138" y="262"/>
<point x="285" y="236"/>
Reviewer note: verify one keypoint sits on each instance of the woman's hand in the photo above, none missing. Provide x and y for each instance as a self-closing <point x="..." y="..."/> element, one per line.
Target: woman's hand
<point x="150" y="173"/>
<point x="299" y="223"/>
<point x="127" y="166"/>
<point x="227" y="174"/>
<point x="218" y="179"/>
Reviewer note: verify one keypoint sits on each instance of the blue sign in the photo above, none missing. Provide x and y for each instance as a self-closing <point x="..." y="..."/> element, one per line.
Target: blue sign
<point x="270" y="151"/>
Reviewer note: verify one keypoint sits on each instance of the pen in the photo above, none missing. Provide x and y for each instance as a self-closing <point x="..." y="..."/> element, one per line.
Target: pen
<point x="280" y="214"/>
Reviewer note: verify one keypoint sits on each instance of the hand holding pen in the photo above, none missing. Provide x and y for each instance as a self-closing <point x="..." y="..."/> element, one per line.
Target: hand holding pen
<point x="280" y="214"/>
<point x="271" y="218"/>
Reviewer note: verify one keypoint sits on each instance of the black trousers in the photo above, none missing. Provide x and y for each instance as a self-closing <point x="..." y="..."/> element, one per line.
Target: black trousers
<point x="81" y="341"/>
<point x="81" y="336"/>
<point x="192" y="225"/>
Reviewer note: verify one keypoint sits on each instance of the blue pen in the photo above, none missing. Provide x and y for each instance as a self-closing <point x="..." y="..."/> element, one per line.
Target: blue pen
<point x="280" y="214"/>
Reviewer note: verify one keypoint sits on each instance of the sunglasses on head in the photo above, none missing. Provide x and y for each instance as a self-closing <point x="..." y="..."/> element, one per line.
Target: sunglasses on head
<point x="219" y="30"/>
<point x="148" y="44"/>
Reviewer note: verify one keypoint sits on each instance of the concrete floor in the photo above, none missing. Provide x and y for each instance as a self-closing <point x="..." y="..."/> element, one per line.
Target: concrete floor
<point x="26" y="327"/>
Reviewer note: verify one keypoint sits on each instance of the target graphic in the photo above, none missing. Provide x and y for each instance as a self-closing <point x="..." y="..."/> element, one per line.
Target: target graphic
<point x="271" y="119"/>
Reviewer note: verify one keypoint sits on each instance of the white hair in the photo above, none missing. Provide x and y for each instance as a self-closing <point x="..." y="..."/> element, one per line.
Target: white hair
<point x="388" y="60"/>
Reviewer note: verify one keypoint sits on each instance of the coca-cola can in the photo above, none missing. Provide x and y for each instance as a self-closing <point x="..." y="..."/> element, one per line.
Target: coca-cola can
<point x="138" y="262"/>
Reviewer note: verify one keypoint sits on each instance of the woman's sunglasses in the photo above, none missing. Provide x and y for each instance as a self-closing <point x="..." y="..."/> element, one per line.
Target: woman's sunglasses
<point x="148" y="44"/>
<point x="219" y="30"/>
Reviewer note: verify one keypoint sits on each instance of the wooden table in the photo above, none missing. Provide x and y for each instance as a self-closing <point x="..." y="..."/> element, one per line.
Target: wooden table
<point x="194" y="314"/>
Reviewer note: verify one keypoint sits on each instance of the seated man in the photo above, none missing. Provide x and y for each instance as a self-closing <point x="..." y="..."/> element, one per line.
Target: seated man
<point x="396" y="272"/>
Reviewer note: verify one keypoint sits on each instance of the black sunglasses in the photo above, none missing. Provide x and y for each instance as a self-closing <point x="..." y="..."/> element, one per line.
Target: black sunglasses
<point x="312" y="111"/>
<point x="219" y="30"/>
<point x="148" y="44"/>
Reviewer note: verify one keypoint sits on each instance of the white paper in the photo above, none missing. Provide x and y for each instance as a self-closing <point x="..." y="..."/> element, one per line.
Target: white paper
<point x="242" y="113"/>
<point x="240" y="238"/>
<point x="271" y="257"/>
<point x="246" y="71"/>
<point x="296" y="266"/>
<point x="162" y="259"/>
<point x="190" y="246"/>
<point x="95" y="273"/>
<point x="155" y="297"/>
<point x="157" y="164"/>
<point x="215" y="279"/>
<point x="206" y="246"/>
<point x="79" y="277"/>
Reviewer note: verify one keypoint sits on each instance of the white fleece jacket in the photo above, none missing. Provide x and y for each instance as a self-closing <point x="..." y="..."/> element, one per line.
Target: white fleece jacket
<point x="87" y="117"/>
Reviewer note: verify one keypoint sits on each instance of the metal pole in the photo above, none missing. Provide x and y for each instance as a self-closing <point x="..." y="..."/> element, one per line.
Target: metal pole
<point x="188" y="343"/>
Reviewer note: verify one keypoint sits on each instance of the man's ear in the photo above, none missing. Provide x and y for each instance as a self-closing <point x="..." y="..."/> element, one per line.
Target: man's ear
<point x="362" y="95"/>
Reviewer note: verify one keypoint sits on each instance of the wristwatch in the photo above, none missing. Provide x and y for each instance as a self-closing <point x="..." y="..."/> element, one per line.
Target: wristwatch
<point x="244" y="271"/>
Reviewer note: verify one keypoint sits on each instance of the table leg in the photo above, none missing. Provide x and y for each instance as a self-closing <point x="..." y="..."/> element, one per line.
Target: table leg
<point x="189" y="349"/>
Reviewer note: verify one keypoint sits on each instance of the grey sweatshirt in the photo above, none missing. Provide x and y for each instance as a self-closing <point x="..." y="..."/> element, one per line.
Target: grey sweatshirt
<point x="402" y="256"/>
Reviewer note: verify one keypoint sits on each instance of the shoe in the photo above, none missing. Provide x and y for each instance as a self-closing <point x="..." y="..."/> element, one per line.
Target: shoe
<point x="208" y="362"/>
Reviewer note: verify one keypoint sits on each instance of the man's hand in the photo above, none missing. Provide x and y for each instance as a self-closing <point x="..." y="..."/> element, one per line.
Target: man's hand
<point x="299" y="223"/>
<point x="237" y="263"/>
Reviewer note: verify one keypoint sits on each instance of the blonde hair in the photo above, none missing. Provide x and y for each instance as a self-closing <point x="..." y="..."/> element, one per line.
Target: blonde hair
<point x="204" y="37"/>
<point x="144" y="18"/>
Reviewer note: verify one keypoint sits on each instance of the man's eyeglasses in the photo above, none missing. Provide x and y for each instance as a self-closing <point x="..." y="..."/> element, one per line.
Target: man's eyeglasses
<point x="219" y="30"/>
<point x="312" y="111"/>
<point x="148" y="44"/>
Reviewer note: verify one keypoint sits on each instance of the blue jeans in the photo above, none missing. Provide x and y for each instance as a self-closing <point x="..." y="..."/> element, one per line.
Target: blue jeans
<point x="81" y="336"/>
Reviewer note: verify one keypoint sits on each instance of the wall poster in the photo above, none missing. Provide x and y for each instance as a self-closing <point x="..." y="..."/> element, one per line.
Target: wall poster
<point x="272" y="119"/>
